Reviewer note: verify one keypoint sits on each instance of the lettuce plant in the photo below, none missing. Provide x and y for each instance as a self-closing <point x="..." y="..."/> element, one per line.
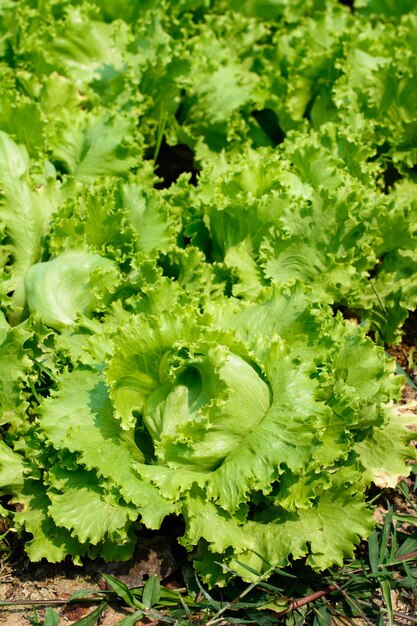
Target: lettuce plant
<point x="260" y="424"/>
<point x="179" y="349"/>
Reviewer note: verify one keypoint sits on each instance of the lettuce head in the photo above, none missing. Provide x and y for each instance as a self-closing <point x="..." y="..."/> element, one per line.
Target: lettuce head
<point x="261" y="425"/>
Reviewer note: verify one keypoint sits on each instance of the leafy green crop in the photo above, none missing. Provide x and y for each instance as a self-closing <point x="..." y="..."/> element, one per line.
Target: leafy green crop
<point x="190" y="194"/>
<point x="260" y="423"/>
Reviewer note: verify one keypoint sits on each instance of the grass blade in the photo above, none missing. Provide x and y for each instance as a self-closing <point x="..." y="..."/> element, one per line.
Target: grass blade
<point x="186" y="610"/>
<point x="374" y="552"/>
<point x="91" y="619"/>
<point x="151" y="591"/>
<point x="385" y="536"/>
<point x="87" y="593"/>
<point x="123" y="592"/>
<point x="51" y="618"/>
<point x="408" y="547"/>
<point x="386" y="592"/>
<point x="130" y="620"/>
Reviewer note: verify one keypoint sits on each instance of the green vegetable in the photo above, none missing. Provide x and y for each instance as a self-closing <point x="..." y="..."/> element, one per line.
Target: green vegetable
<point x="250" y="420"/>
<point x="191" y="194"/>
<point x="73" y="283"/>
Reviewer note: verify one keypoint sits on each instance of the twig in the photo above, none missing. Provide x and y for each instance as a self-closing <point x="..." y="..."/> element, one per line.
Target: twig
<point x="405" y="557"/>
<point x="307" y="599"/>
<point x="324" y="592"/>
<point x="55" y="601"/>
<point x="398" y="560"/>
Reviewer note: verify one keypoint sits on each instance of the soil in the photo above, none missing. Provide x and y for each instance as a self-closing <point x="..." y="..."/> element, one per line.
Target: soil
<point x="21" y="580"/>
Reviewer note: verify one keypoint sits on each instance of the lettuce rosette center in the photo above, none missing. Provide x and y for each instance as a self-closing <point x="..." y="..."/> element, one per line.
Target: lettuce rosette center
<point x="207" y="404"/>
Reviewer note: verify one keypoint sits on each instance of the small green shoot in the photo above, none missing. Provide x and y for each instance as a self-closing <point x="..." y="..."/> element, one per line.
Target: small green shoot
<point x="151" y="591"/>
<point x="123" y="592"/>
<point x="51" y="618"/>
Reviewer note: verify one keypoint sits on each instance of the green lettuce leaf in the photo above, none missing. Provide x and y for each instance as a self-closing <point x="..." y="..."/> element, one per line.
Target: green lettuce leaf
<point x="25" y="212"/>
<point x="74" y="283"/>
<point x="15" y="366"/>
